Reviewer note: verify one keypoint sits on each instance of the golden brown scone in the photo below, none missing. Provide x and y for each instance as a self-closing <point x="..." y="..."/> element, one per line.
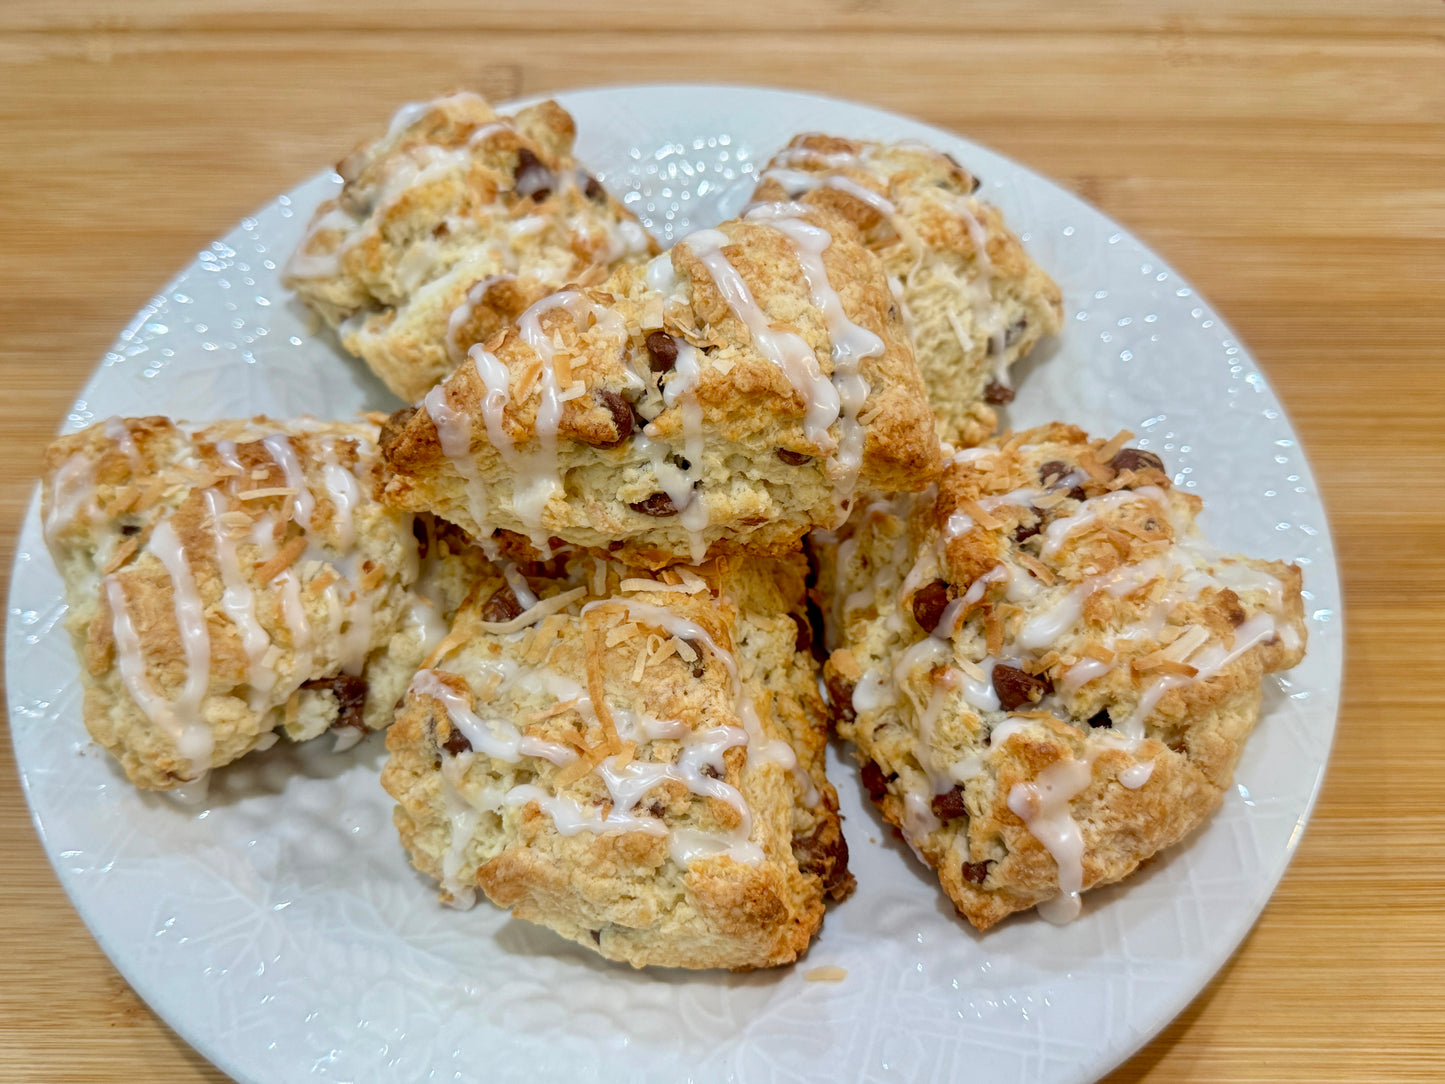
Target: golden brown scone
<point x="448" y="226"/>
<point x="633" y="762"/>
<point x="1048" y="674"/>
<point x="230" y="580"/>
<point x="975" y="301"/>
<point x="726" y="397"/>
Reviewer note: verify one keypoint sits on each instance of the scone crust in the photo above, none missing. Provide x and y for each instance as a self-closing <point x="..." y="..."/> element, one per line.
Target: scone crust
<point x="622" y="891"/>
<point x="447" y="227"/>
<point x="1073" y="569"/>
<point x="757" y="474"/>
<point x="975" y="300"/>
<point x="251" y="610"/>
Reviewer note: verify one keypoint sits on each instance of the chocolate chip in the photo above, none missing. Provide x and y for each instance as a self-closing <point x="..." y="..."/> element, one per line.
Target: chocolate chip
<point x="840" y="696"/>
<point x="659" y="505"/>
<point x="441" y="229"/>
<point x="592" y="188"/>
<point x="532" y="177"/>
<point x="456" y="743"/>
<point x="998" y="393"/>
<point x="929" y="602"/>
<point x="1136" y="459"/>
<point x="975" y="872"/>
<point x="622" y="417"/>
<point x="661" y="351"/>
<point x="1100" y="719"/>
<point x="1024" y="531"/>
<point x="657" y="809"/>
<point x="350" y="693"/>
<point x="597" y="937"/>
<point x="949" y="807"/>
<point x="875" y="782"/>
<point x="422" y="535"/>
<point x="804" y="640"/>
<point x="793" y="459"/>
<point x="130" y="530"/>
<point x="711" y="772"/>
<point x="1052" y="470"/>
<point x="1017" y="688"/>
<point x="502" y="606"/>
<point x="824" y="854"/>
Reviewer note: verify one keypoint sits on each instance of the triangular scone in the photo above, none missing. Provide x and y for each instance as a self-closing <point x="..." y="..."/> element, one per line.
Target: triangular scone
<point x="727" y="397"/>
<point x="974" y="299"/>
<point x="634" y="762"/>
<point x="448" y="226"/>
<point x="1048" y="674"/>
<point x="230" y="580"/>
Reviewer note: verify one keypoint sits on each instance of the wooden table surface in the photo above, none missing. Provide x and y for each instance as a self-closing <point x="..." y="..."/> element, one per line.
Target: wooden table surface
<point x="1288" y="158"/>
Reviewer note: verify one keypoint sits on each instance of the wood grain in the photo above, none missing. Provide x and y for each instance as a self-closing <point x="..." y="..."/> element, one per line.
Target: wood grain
<point x="1288" y="158"/>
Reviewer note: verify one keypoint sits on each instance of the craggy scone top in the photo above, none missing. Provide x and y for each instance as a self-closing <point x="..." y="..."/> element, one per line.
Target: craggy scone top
<point x="726" y="397"/>
<point x="974" y="301"/>
<point x="448" y="226"/>
<point x="633" y="761"/>
<point x="233" y="579"/>
<point x="1047" y="672"/>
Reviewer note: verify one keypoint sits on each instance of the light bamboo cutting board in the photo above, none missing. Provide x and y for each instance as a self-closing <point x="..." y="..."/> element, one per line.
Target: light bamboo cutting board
<point x="1288" y="158"/>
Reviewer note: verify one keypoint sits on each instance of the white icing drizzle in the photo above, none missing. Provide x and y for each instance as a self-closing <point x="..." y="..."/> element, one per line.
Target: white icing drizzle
<point x="117" y="431"/>
<point x="851" y="344"/>
<point x="454" y="434"/>
<point x="785" y="349"/>
<point x="1136" y="775"/>
<point x="303" y="503"/>
<point x="1043" y="806"/>
<point x="72" y="491"/>
<point x="238" y="599"/>
<point x="518" y="583"/>
<point x="767" y="750"/>
<point x="463" y="312"/>
<point x="343" y="492"/>
<point x="180" y="719"/>
<point x="494" y="737"/>
<point x="1088" y="512"/>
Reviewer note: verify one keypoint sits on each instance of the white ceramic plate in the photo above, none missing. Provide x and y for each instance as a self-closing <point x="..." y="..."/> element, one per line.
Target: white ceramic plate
<point x="281" y="930"/>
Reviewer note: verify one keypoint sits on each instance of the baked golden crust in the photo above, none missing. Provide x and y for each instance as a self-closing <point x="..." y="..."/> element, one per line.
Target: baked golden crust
<point x="1044" y="656"/>
<point x="230" y="580"/>
<point x="447" y="227"/>
<point x="975" y="301"/>
<point x="725" y="398"/>
<point x="635" y="763"/>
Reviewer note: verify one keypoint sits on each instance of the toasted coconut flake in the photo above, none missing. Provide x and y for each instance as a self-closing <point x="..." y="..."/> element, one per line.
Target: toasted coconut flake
<point x="826" y="974"/>
<point x="624" y="758"/>
<point x="1048" y="500"/>
<point x="984" y="519"/>
<point x="562" y="368"/>
<point x="1039" y="666"/>
<point x="599" y="578"/>
<point x="528" y="378"/>
<point x="574" y="390"/>
<point x="1188" y="642"/>
<point x="262" y="494"/>
<point x="993" y="629"/>
<point x="372" y="577"/>
<point x="1114" y="443"/>
<point x="1098" y="652"/>
<point x="642" y="657"/>
<point x="1169" y="666"/>
<point x="722" y="365"/>
<point x="235" y="521"/>
<point x="544" y="608"/>
<point x="685" y="649"/>
<point x="635" y="584"/>
<point x="488" y="692"/>
<point x="692" y="580"/>
<point x="565" y="777"/>
<point x="621" y="633"/>
<point x="260" y="474"/>
<point x="449" y="643"/>
<point x="315" y="588"/>
<point x="122" y="554"/>
<point x="1037" y="567"/>
<point x="124" y="500"/>
<point x="293" y="707"/>
<point x="561" y="707"/>
<point x="972" y="669"/>
<point x="283" y="560"/>
<point x="664" y="650"/>
<point x="1034" y="714"/>
<point x="1092" y="467"/>
<point x="597" y="689"/>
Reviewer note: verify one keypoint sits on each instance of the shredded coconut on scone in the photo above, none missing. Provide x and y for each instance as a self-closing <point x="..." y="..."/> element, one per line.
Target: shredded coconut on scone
<point x="633" y="760"/>
<point x="1048" y="674"/>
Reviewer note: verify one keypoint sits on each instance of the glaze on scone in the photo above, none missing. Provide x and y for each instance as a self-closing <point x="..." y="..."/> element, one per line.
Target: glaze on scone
<point x="1047" y="673"/>
<point x="726" y="397"/>
<point x="447" y="227"/>
<point x="634" y="762"/>
<point x="975" y="301"/>
<point x="231" y="580"/>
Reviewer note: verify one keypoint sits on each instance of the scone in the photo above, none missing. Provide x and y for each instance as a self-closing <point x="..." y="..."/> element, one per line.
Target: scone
<point x="634" y="762"/>
<point x="447" y="227"/>
<point x="1048" y="674"/>
<point x="232" y="580"/>
<point x="975" y="301"/>
<point x="726" y="397"/>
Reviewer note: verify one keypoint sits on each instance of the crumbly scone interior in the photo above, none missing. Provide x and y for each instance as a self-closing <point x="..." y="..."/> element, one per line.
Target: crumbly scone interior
<point x="448" y="226"/>
<point x="633" y="761"/>
<point x="974" y="300"/>
<point x="235" y="579"/>
<point x="725" y="397"/>
<point x="1047" y="672"/>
